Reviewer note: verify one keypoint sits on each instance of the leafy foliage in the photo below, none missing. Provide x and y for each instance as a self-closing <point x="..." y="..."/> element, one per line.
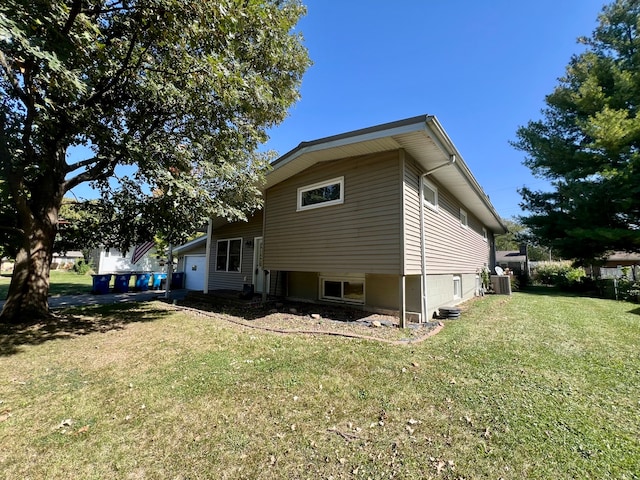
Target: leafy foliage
<point x="171" y="97"/>
<point x="81" y="267"/>
<point x="183" y="90"/>
<point x="559" y="274"/>
<point x="588" y="145"/>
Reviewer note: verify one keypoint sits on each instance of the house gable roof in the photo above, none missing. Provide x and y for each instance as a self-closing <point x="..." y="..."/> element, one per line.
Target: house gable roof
<point x="422" y="137"/>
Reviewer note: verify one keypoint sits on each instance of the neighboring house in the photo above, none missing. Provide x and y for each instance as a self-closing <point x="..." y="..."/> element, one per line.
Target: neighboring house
<point x="6" y="265"/>
<point x="192" y="261"/>
<point x="614" y="263"/>
<point x="388" y="218"/>
<point x="66" y="260"/>
<point x="111" y="260"/>
<point x="516" y="261"/>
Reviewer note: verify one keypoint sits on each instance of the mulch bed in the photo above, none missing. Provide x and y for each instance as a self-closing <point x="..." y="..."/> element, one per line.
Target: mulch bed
<point x="315" y="319"/>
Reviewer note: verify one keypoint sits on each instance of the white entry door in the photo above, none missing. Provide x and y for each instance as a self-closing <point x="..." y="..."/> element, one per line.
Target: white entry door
<point x="258" y="270"/>
<point x="194" y="272"/>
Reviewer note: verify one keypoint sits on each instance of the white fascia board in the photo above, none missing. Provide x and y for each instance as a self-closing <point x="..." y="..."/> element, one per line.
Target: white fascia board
<point x="345" y="140"/>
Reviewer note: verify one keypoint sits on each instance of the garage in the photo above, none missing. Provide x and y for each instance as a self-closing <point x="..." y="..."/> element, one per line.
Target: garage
<point x="194" y="272"/>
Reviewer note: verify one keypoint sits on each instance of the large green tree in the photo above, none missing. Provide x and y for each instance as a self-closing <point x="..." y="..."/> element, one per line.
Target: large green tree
<point x="179" y="91"/>
<point x="588" y="145"/>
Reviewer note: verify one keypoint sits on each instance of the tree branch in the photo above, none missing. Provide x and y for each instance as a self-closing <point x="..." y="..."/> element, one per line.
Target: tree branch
<point x="73" y="14"/>
<point x="81" y="164"/>
<point x="100" y="170"/>
<point x="93" y="99"/>
<point x="12" y="79"/>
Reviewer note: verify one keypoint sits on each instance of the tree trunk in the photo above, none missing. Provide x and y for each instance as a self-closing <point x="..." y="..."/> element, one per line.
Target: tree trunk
<point x="27" y="300"/>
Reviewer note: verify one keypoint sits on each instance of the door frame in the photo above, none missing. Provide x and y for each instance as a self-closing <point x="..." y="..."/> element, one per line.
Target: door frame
<point x="258" y="272"/>
<point x="187" y="272"/>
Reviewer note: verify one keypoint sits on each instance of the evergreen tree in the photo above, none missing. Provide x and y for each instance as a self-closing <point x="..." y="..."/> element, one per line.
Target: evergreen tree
<point x="588" y="145"/>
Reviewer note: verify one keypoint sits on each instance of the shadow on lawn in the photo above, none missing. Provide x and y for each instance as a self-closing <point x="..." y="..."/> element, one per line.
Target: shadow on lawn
<point x="635" y="311"/>
<point x="73" y="322"/>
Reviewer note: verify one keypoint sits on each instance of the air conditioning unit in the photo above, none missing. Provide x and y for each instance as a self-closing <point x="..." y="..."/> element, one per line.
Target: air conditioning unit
<point x="501" y="284"/>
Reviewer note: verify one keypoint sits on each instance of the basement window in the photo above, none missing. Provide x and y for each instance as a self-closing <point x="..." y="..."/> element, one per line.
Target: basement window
<point x="457" y="287"/>
<point x="349" y="290"/>
<point x="321" y="194"/>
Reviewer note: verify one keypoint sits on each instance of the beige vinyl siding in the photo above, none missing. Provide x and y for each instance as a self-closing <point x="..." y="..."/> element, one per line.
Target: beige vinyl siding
<point x="247" y="231"/>
<point x="451" y="248"/>
<point x="413" y="242"/>
<point x="362" y="235"/>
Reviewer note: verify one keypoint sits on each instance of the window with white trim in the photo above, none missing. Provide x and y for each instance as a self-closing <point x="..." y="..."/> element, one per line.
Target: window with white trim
<point x="464" y="221"/>
<point x="430" y="194"/>
<point x="343" y="289"/>
<point x="229" y="255"/>
<point x="457" y="287"/>
<point x="485" y="235"/>
<point x="321" y="194"/>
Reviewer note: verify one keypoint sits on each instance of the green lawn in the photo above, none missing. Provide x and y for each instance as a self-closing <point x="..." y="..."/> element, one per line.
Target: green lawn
<point x="527" y="386"/>
<point x="62" y="283"/>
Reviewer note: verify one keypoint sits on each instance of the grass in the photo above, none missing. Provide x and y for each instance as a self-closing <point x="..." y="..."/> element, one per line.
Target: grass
<point x="62" y="283"/>
<point x="527" y="386"/>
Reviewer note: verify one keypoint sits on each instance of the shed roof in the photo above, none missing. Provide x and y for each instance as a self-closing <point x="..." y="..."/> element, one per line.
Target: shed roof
<point x="196" y="242"/>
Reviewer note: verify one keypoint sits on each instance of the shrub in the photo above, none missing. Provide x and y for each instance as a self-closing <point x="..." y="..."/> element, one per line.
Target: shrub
<point x="82" y="267"/>
<point x="559" y="274"/>
<point x="628" y="290"/>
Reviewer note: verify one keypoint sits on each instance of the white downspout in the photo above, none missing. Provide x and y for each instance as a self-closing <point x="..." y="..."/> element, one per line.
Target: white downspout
<point x="423" y="240"/>
<point x="207" y="257"/>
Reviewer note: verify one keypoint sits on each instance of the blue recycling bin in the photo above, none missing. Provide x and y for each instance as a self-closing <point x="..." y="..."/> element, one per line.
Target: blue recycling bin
<point x="142" y="281"/>
<point x="101" y="283"/>
<point x="121" y="282"/>
<point x="157" y="280"/>
<point x="177" y="280"/>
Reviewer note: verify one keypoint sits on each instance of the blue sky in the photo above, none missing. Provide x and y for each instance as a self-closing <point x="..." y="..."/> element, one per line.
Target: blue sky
<point x="483" y="68"/>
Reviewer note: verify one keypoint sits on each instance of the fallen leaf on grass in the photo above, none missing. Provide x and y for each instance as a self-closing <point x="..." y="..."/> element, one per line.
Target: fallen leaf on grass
<point x="83" y="429"/>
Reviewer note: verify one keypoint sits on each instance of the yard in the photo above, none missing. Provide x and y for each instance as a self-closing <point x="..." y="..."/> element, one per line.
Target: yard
<point x="528" y="386"/>
<point x="62" y="283"/>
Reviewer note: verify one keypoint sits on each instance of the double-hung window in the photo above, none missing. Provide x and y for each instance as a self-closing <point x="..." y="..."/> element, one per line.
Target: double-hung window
<point x="229" y="255"/>
<point x="321" y="194"/>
